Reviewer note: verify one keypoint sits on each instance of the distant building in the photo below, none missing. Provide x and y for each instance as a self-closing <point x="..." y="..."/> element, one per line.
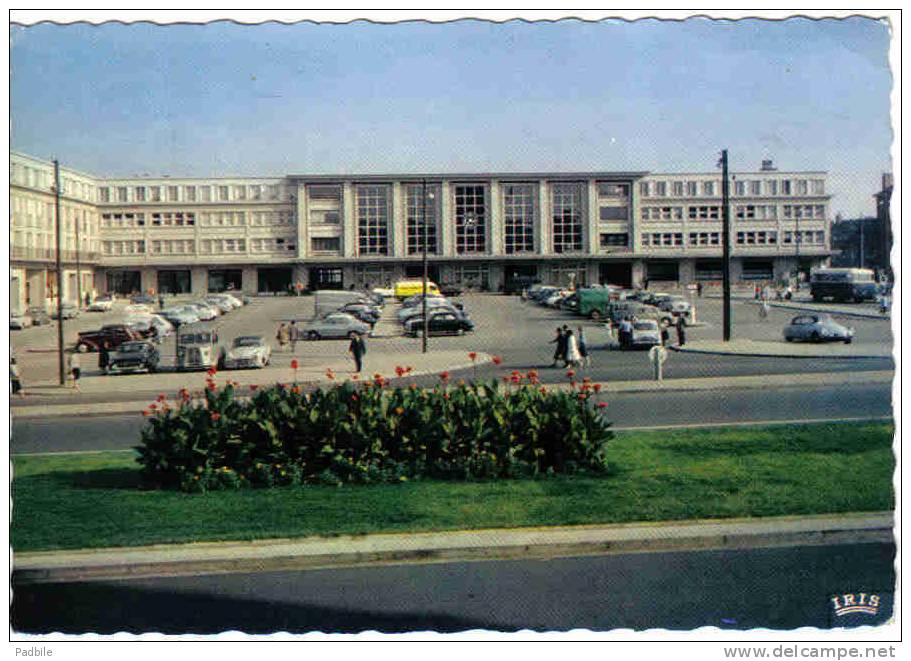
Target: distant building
<point x="264" y="234"/>
<point x="883" y="200"/>
<point x="858" y="242"/>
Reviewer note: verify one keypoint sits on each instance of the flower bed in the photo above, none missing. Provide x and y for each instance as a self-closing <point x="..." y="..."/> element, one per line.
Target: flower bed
<point x="370" y="432"/>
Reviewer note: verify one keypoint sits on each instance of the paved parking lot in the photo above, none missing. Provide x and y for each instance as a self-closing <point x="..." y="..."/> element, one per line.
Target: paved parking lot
<point x="519" y="332"/>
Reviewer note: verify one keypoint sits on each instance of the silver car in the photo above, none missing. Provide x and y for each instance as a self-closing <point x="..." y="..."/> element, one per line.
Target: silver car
<point x="817" y="328"/>
<point x="19" y="320"/>
<point x="335" y="325"/>
<point x="247" y="351"/>
<point x="646" y="334"/>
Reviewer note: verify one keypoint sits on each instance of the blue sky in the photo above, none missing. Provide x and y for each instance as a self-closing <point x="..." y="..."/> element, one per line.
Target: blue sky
<point x="223" y="99"/>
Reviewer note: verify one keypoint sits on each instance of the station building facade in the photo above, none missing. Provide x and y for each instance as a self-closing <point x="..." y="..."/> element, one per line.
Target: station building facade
<point x="262" y="235"/>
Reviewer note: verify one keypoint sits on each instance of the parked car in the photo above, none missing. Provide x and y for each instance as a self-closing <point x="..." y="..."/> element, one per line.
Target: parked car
<point x="384" y="292"/>
<point x="198" y="350"/>
<point x="204" y="311"/>
<point x="441" y="322"/>
<point x="817" y="328"/>
<point x="230" y="299"/>
<point x="405" y="314"/>
<point x="139" y="308"/>
<point x="113" y="334"/>
<point x="411" y="301"/>
<point x="19" y="320"/>
<point x="102" y="304"/>
<point x="366" y="313"/>
<point x="146" y="299"/>
<point x="335" y="325"/>
<point x="617" y="310"/>
<point x="646" y="334"/>
<point x="39" y="317"/>
<point x="67" y="311"/>
<point x="247" y="351"/>
<point x="519" y="283"/>
<point x="180" y="316"/>
<point x="676" y="305"/>
<point x="223" y="305"/>
<point x="145" y="323"/>
<point x="450" y="290"/>
<point x="134" y="357"/>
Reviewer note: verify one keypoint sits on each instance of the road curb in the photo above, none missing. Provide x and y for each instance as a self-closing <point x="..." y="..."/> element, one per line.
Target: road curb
<point x="834" y="313"/>
<point x="752" y="382"/>
<point x="720" y="352"/>
<point x="457" y="546"/>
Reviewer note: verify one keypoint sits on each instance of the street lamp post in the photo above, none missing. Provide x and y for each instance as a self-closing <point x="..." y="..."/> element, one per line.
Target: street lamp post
<point x="60" y="366"/>
<point x="426" y="321"/>
<point x="726" y="247"/>
<point x="78" y="267"/>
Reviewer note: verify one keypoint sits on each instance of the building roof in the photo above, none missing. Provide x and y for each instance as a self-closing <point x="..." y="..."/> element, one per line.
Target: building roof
<point x="468" y="176"/>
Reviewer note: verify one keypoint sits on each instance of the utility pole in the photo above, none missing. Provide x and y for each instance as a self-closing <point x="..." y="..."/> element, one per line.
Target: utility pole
<point x="61" y="371"/>
<point x="726" y="246"/>
<point x="426" y="321"/>
<point x="861" y="265"/>
<point x="78" y="273"/>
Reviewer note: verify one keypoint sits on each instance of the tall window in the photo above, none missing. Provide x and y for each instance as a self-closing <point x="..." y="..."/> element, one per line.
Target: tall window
<point x="519" y="217"/>
<point x="471" y="218"/>
<point x="566" y="201"/>
<point x="415" y="209"/>
<point x="372" y="220"/>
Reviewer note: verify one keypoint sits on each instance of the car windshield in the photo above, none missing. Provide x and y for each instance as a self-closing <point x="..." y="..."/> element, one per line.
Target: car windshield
<point x="645" y="326"/>
<point x="132" y="347"/>
<point x="248" y="341"/>
<point x="196" y="338"/>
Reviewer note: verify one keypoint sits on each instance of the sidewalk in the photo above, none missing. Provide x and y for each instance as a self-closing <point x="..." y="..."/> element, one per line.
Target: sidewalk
<point x="455" y="546"/>
<point x="782" y="349"/>
<point x="803" y="303"/>
<point x="762" y="381"/>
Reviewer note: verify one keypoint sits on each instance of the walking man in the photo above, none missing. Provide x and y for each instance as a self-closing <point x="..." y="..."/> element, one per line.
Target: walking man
<point x="292" y="335"/>
<point x="357" y="349"/>
<point x="583" y="348"/>
<point x="560" y="349"/>
<point x="74" y="369"/>
<point x="104" y="356"/>
<point x="681" y="331"/>
<point x="281" y="336"/>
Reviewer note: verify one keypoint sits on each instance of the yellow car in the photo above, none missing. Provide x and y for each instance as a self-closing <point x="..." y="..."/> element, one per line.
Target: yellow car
<point x="406" y="288"/>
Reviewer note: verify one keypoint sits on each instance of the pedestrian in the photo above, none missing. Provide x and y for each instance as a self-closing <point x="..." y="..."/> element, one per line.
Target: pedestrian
<point x="699" y="289"/>
<point x="681" y="331"/>
<point x="73" y="369"/>
<point x="281" y="336"/>
<point x="763" y="310"/>
<point x="357" y="349"/>
<point x="583" y="348"/>
<point x="626" y="333"/>
<point x="104" y="356"/>
<point x="161" y="302"/>
<point x="756" y="291"/>
<point x="292" y="335"/>
<point x="15" y="378"/>
<point x="645" y="284"/>
<point x="560" y="349"/>
<point x="884" y="304"/>
<point x="88" y="299"/>
<point x="573" y="356"/>
<point x="665" y="334"/>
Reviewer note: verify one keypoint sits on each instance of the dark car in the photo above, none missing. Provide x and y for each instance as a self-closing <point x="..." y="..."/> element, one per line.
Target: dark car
<point x="443" y="322"/>
<point x="134" y="357"/>
<point x="366" y="313"/>
<point x="450" y="290"/>
<point x="114" y="335"/>
<point x="39" y="316"/>
<point x="520" y="283"/>
<point x="144" y="298"/>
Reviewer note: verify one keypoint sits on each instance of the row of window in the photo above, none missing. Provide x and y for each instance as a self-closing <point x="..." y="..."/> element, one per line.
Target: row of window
<point x="189" y="218"/>
<point x="761" y="238"/>
<point x="740" y="187"/>
<point x="43" y="179"/>
<point x="193" y="193"/>
<point x="741" y="211"/>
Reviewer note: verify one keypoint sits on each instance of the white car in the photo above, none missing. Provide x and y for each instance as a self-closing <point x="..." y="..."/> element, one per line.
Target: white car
<point x="101" y="304"/>
<point x="645" y="334"/>
<point x="204" y="312"/>
<point x="221" y="303"/>
<point x="19" y="320"/>
<point x="143" y="322"/>
<point x="248" y="351"/>
<point x="180" y="315"/>
<point x="227" y="299"/>
<point x="138" y="308"/>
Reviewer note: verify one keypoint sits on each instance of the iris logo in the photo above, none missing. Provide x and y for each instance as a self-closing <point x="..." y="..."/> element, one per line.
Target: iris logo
<point x="860" y="602"/>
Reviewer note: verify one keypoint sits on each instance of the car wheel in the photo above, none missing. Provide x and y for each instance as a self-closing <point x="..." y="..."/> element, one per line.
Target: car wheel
<point x="312" y="335"/>
<point x="82" y="347"/>
<point x="848" y="340"/>
<point x="153" y="369"/>
<point x="788" y="338"/>
<point x="815" y="336"/>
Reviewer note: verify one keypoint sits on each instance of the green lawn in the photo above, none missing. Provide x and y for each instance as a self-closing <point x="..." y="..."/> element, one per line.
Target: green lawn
<point x="93" y="500"/>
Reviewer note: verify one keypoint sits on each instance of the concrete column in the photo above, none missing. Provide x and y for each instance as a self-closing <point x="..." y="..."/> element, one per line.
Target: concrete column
<point x="199" y="280"/>
<point x="349" y="221"/>
<point x="300" y="274"/>
<point x="590" y="237"/>
<point x="303" y="222"/>
<point x="149" y="278"/>
<point x="496" y="277"/>
<point x="687" y="271"/>
<point x="17" y="302"/>
<point x="594" y="274"/>
<point x="249" y="280"/>
<point x="736" y="269"/>
<point x="543" y="230"/>
<point x="638" y="272"/>
<point x="397" y="220"/>
<point x="495" y="239"/>
<point x="447" y="221"/>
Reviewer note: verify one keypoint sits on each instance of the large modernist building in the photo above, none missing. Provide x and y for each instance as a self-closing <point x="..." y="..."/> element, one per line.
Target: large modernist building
<point x="264" y="234"/>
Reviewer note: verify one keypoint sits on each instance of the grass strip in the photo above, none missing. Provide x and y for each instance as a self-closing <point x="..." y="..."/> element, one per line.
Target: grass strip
<point x="85" y="501"/>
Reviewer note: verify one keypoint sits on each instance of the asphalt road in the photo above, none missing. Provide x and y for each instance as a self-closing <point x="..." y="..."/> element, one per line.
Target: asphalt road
<point x="777" y="588"/>
<point x="115" y="432"/>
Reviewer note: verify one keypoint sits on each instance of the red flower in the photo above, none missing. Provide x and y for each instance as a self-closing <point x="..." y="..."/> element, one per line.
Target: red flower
<point x="444" y="376"/>
<point x="515" y="372"/>
<point x="210" y="385"/>
<point x="543" y="390"/>
<point x="497" y="360"/>
<point x="515" y="378"/>
<point x="161" y="397"/>
<point x="329" y="374"/>
<point x="409" y="370"/>
<point x="253" y="386"/>
<point x="586" y="379"/>
<point x="212" y="371"/>
<point x="294" y="363"/>
<point x="533" y="374"/>
<point x="597" y="387"/>
<point x="505" y="379"/>
<point x="216" y="416"/>
<point x="377" y="376"/>
<point x="413" y="386"/>
<point x="582" y="396"/>
<point x="355" y="377"/>
<point x="354" y="397"/>
<point x="570" y="373"/>
<point x="445" y="395"/>
<point x="399" y="371"/>
<point x="602" y="405"/>
<point x="153" y="406"/>
<point x="146" y="413"/>
<point x="296" y="390"/>
<point x="473" y="355"/>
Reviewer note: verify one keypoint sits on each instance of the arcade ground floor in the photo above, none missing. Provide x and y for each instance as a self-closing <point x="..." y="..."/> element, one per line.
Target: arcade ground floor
<point x="36" y="286"/>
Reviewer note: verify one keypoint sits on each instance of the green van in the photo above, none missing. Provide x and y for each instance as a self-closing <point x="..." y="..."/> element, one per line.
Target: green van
<point x="593" y="302"/>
